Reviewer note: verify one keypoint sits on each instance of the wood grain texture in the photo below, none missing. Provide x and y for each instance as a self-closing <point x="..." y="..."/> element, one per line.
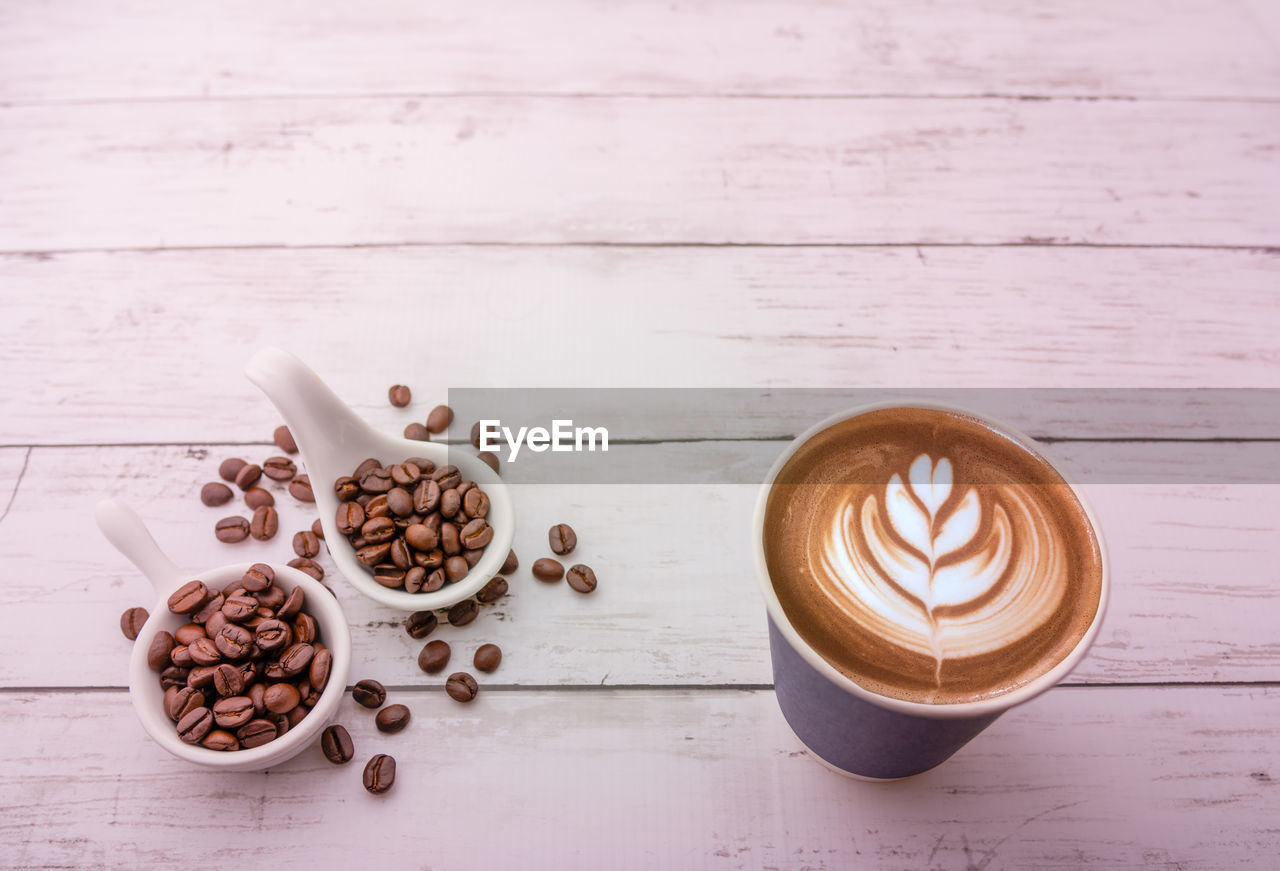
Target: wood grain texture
<point x="175" y="328"/>
<point x="1156" y="778"/>
<point x="140" y="50"/>
<point x="507" y="169"/>
<point x="1196" y="594"/>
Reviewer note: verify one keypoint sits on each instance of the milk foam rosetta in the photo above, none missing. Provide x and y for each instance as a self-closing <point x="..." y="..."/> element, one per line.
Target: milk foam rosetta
<point x="929" y="557"/>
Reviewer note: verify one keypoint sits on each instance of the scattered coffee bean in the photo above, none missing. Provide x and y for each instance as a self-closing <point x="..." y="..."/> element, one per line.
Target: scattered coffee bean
<point x="257" y="497"/>
<point x="399" y="395"/>
<point x="187" y="598"/>
<point x="158" y="651"/>
<point x="264" y="523"/>
<point x="463" y="613"/>
<point x="131" y="622"/>
<point x="434" y="656"/>
<point x="492" y="591"/>
<point x="417" y="432"/>
<point x="581" y="578"/>
<point x="229" y="468"/>
<point x="419" y="624"/>
<point x="215" y="493"/>
<point x="563" y="539"/>
<point x="369" y="693"/>
<point x="461" y="687"/>
<point x="439" y="419"/>
<point x="284" y="440"/>
<point x="308" y="567"/>
<point x="487" y="657"/>
<point x="547" y="569"/>
<point x="380" y="774"/>
<point x="335" y="744"/>
<point x="231" y="529"/>
<point x="279" y="468"/>
<point x="317" y="529"/>
<point x="306" y="544"/>
<point x="490" y="459"/>
<point x="392" y="719"/>
<point x="248" y="475"/>
<point x="300" y="489"/>
<point x="510" y="564"/>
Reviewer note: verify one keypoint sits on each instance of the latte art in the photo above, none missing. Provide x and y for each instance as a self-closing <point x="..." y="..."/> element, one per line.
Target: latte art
<point x="929" y="556"/>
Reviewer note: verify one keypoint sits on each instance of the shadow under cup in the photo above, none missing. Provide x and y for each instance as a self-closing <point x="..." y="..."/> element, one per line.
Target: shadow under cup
<point x="860" y="733"/>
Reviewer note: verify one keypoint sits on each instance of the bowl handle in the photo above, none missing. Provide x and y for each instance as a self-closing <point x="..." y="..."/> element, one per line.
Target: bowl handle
<point x="126" y="531"/>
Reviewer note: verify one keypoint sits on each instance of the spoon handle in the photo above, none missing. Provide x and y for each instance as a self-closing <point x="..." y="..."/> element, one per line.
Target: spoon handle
<point x="126" y="531"/>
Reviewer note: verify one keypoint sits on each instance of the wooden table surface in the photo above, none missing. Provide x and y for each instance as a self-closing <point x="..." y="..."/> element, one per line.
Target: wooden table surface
<point x="784" y="193"/>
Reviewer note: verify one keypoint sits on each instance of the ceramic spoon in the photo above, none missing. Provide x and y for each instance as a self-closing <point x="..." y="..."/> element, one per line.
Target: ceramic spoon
<point x="333" y="440"/>
<point x="126" y="531"/>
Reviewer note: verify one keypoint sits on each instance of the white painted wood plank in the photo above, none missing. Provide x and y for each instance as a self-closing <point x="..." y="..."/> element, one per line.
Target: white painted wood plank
<point x="1179" y="778"/>
<point x="67" y="51"/>
<point x="1196" y="587"/>
<point x="174" y="329"/>
<point x="480" y="169"/>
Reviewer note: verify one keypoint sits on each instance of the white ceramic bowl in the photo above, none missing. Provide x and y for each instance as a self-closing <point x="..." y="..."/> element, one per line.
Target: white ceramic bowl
<point x="332" y="440"/>
<point x="125" y="530"/>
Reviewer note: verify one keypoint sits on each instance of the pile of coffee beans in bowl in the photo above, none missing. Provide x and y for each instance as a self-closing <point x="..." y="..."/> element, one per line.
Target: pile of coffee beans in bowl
<point x="416" y="526"/>
<point x="246" y="668"/>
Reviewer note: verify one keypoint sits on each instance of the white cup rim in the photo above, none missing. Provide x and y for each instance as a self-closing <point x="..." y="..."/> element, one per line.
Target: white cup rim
<point x="952" y="710"/>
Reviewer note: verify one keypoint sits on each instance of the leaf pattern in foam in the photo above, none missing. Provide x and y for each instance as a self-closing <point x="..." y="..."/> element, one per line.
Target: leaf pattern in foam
<point x="959" y="528"/>
<point x="908" y="520"/>
<point x="931" y="483"/>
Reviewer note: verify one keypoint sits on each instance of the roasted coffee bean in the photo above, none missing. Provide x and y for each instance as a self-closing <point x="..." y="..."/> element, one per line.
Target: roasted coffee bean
<point x="420" y="624"/>
<point x="421" y="537"/>
<point x="174" y="676"/>
<point x="187" y="598"/>
<point x="366" y="465"/>
<point x="239" y="608"/>
<point x="435" y="581"/>
<point x="432" y="559"/>
<point x="369" y="693"/>
<point x="304" y="629"/>
<point x="258" y="577"/>
<point x="465" y="487"/>
<point x="272" y="597"/>
<point x="195" y="724"/>
<point x="248" y="475"/>
<point x="492" y="591"/>
<point x="189" y="632"/>
<point x="426" y="497"/>
<point x="400" y="554"/>
<point x="476" y="534"/>
<point x="300" y="489"/>
<point x="472" y="556"/>
<point x="547" y="569"/>
<point x="450" y="502"/>
<point x="475" y="435"/>
<point x="221" y="740"/>
<point x="180" y="701"/>
<point x="455" y="568"/>
<point x="317" y="528"/>
<point x="336" y="745"/>
<point x="447" y="477"/>
<point x="392" y="719"/>
<point x="215" y="623"/>
<point x="377" y="507"/>
<point x="380" y="774"/>
<point x="563" y="539"/>
<point x="273" y="635"/>
<point x="350" y="517"/>
<point x="376" y="481"/>
<point x="250" y="669"/>
<point x="181" y="656"/>
<point x="230" y="467"/>
<point x="389" y="576"/>
<point x="284" y="440"/>
<point x="281" y="698"/>
<point x="346" y="488"/>
<point x="296" y="658"/>
<point x="475" y="503"/>
<point x="417" y="432"/>
<point x="204" y="651"/>
<point x="306" y="544"/>
<point x="461" y="687"/>
<point x="232" y="712"/>
<point x="292" y="603"/>
<point x="439" y="419"/>
<point x="400" y="502"/>
<point x="215" y="493"/>
<point x="405" y="474"/>
<point x="378" y="530"/>
<point x="399" y="395"/>
<point x="264" y="523"/>
<point x="208" y="609"/>
<point x="581" y="578"/>
<point x="414" y="578"/>
<point x="307" y="567"/>
<point x="231" y="529"/>
<point x="318" y="671"/>
<point x="279" y="468"/>
<point x="158" y="651"/>
<point x="132" y="620"/>
<point x="255" y="694"/>
<point x="510" y="564"/>
<point x="274" y="671"/>
<point x="424" y="465"/>
<point x="280" y="721"/>
<point x="434" y="656"/>
<point x="487" y="657"/>
<point x="257" y="497"/>
<point x="201" y="677"/>
<point x="373" y="554"/>
<point x="463" y="613"/>
<point x="234" y="642"/>
<point x="449" y="541"/>
<point x="227" y="680"/>
<point x="255" y="733"/>
<point x="490" y="459"/>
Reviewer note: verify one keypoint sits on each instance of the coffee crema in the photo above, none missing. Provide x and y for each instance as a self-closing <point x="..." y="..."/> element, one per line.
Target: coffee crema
<point x="930" y="557"/>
